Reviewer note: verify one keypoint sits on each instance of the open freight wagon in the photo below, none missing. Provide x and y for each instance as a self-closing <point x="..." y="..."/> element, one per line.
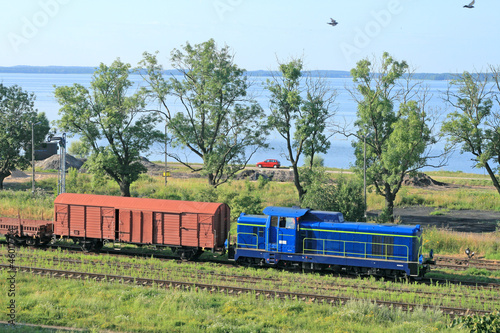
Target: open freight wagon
<point x="187" y="227"/>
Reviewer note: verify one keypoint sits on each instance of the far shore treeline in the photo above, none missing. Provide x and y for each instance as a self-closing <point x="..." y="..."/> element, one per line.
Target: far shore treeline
<point x="90" y="70"/>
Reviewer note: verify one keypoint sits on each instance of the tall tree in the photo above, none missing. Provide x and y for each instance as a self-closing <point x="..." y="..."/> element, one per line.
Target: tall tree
<point x="217" y="121"/>
<point x="17" y="114"/>
<point x="111" y="122"/>
<point x="475" y="124"/>
<point x="393" y="119"/>
<point x="301" y="121"/>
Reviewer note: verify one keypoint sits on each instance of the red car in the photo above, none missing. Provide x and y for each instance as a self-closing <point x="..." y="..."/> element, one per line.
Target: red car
<point x="269" y="163"/>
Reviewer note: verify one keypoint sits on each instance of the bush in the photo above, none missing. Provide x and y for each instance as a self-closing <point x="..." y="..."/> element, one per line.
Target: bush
<point x="476" y="323"/>
<point x="318" y="161"/>
<point x="345" y="196"/>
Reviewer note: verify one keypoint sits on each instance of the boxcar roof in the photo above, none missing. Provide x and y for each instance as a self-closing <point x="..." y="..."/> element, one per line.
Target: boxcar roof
<point x="157" y="205"/>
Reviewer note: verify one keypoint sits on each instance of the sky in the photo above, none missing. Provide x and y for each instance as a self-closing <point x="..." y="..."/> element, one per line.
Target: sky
<point x="432" y="36"/>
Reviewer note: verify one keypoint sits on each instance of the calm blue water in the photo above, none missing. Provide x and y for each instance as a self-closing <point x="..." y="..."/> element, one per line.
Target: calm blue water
<point x="340" y="155"/>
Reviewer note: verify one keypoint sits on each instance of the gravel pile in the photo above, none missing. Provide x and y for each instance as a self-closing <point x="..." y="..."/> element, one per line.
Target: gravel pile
<point x="421" y="180"/>
<point x="52" y="163"/>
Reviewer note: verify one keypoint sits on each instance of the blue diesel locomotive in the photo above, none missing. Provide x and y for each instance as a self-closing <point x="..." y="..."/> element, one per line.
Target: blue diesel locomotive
<point x="318" y="240"/>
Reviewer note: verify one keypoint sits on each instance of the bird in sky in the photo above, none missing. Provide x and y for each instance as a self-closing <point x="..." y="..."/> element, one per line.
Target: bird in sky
<point x="332" y="22"/>
<point x="471" y="5"/>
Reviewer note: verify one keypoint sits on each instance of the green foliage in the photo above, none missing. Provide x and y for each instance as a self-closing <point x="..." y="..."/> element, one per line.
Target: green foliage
<point x="301" y="121"/>
<point x="221" y="124"/>
<point x="79" y="149"/>
<point x="450" y="242"/>
<point x="489" y="323"/>
<point x="474" y="124"/>
<point x="247" y="200"/>
<point x="25" y="204"/>
<point x="262" y="182"/>
<point x="317" y="161"/>
<point x="395" y="129"/>
<point x="17" y="113"/>
<point x="106" y="112"/>
<point x="410" y="199"/>
<point x="345" y="196"/>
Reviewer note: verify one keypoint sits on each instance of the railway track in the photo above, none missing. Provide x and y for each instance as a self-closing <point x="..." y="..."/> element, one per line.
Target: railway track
<point x="120" y="253"/>
<point x="202" y="274"/>
<point x="253" y="279"/>
<point x="463" y="264"/>
<point x="441" y="261"/>
<point x="232" y="290"/>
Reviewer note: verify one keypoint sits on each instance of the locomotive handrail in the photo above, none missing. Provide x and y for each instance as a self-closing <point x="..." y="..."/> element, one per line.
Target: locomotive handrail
<point x="244" y="244"/>
<point x="343" y="252"/>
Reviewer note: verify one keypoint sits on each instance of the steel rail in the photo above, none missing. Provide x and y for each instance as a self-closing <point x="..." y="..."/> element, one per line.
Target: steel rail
<point x="211" y="288"/>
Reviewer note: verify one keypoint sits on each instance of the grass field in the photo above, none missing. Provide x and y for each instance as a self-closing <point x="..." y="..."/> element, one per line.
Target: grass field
<point x="112" y="306"/>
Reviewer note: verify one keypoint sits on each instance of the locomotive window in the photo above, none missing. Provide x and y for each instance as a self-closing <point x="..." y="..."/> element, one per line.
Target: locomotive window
<point x="282" y="222"/>
<point x="274" y="221"/>
<point x="290" y="223"/>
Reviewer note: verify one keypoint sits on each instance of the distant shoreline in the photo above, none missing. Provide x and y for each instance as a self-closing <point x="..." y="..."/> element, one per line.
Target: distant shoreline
<point x="91" y="70"/>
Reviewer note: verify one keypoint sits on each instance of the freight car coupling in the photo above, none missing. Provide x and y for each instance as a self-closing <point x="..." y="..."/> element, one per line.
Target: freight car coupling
<point x="280" y="237"/>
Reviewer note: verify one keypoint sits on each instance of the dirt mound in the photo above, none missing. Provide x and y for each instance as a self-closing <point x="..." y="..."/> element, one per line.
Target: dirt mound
<point x="152" y="167"/>
<point x="52" y="163"/>
<point x="274" y="175"/>
<point x="421" y="180"/>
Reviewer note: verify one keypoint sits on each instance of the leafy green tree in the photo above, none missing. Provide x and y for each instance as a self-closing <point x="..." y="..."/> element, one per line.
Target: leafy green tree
<point x="301" y="121"/>
<point x="392" y="117"/>
<point x="218" y="121"/>
<point x="475" y="124"/>
<point x="111" y="123"/>
<point x="17" y="113"/>
<point x="79" y="149"/>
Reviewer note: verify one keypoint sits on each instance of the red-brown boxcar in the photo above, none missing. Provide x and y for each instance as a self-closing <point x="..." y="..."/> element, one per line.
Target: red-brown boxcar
<point x="186" y="225"/>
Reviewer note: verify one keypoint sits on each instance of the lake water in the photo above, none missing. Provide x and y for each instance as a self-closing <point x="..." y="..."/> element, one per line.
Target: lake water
<point x="340" y="155"/>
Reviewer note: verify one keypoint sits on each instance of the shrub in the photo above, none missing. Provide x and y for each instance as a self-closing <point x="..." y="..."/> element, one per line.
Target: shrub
<point x="487" y="323"/>
<point x="345" y="196"/>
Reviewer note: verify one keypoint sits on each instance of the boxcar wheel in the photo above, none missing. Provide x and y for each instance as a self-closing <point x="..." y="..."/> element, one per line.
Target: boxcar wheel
<point x="98" y="246"/>
<point x="87" y="246"/>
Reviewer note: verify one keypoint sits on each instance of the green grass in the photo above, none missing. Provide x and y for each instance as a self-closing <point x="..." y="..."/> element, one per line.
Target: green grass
<point x="269" y="279"/>
<point x="444" y="241"/>
<point x="112" y="306"/>
<point x="26" y="205"/>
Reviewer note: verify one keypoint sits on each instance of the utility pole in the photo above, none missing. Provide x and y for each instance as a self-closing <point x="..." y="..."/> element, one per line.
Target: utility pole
<point x="62" y="161"/>
<point x="33" y="155"/>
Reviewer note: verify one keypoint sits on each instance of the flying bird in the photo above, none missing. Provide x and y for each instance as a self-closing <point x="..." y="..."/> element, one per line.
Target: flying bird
<point x="471" y="5"/>
<point x="332" y="22"/>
